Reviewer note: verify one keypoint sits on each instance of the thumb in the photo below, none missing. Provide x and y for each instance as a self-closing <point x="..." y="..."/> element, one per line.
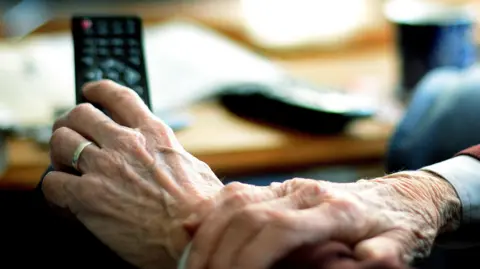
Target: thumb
<point x="380" y="247"/>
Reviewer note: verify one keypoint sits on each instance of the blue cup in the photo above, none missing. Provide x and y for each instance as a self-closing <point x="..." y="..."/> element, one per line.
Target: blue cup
<point x="430" y="35"/>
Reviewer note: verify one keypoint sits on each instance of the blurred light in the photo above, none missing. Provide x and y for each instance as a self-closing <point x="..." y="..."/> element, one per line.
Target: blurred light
<point x="281" y="23"/>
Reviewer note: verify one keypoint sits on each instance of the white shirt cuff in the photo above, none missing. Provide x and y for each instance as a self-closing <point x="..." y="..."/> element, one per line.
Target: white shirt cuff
<point x="463" y="172"/>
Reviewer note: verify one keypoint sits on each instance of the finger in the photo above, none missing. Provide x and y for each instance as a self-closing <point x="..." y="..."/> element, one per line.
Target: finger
<point x="205" y="207"/>
<point x="244" y="226"/>
<point x="63" y="144"/>
<point x="296" y="228"/>
<point x="390" y="244"/>
<point x="247" y="222"/>
<point x="207" y="236"/>
<point x="90" y="122"/>
<point x="126" y="107"/>
<point x="55" y="188"/>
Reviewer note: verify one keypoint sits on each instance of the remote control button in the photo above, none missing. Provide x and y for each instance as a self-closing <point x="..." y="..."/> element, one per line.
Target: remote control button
<point x="88" y="61"/>
<point x="131" y="76"/>
<point x="93" y="74"/>
<point x="86" y="25"/>
<point x="102" y="27"/>
<point x="89" y="42"/>
<point x="117" y="42"/>
<point x="134" y="60"/>
<point x="132" y="42"/>
<point x="113" y="75"/>
<point x="138" y="89"/>
<point x="89" y="51"/>
<point x="119" y="66"/>
<point x="108" y="64"/>
<point x="134" y="51"/>
<point x="102" y="42"/>
<point x="103" y="52"/>
<point x="118" y="52"/>
<point x="130" y="27"/>
<point x="117" y="28"/>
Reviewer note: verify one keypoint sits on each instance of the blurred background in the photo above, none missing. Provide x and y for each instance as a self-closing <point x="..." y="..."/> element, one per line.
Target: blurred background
<point x="355" y="86"/>
<point x="371" y="53"/>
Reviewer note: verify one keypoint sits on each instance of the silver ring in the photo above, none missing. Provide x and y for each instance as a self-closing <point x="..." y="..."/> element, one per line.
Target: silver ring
<point x="78" y="152"/>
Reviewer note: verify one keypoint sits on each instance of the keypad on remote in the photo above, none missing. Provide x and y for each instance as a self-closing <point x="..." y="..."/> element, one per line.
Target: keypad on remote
<point x="110" y="48"/>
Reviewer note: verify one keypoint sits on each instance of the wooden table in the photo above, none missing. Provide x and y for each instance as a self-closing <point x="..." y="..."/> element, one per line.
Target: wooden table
<point x="231" y="145"/>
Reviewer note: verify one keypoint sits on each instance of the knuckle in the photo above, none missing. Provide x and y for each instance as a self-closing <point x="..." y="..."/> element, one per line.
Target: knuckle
<point x="313" y="190"/>
<point x="294" y="183"/>
<point x="79" y="110"/>
<point x="134" y="144"/>
<point x="58" y="137"/>
<point x="132" y="139"/>
<point x="158" y="129"/>
<point x="234" y="187"/>
<point x="237" y="199"/>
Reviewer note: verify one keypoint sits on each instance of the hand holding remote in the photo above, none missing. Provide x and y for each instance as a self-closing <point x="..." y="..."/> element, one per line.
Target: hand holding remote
<point x="109" y="48"/>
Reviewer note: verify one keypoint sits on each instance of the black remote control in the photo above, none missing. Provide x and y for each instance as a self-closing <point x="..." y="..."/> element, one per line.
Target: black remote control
<point x="109" y="48"/>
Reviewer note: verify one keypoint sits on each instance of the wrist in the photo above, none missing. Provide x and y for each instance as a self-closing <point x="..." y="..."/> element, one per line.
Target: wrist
<point x="437" y="196"/>
<point x="446" y="201"/>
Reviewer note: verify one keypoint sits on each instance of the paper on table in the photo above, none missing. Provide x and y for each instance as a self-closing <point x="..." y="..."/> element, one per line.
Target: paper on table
<point x="185" y="62"/>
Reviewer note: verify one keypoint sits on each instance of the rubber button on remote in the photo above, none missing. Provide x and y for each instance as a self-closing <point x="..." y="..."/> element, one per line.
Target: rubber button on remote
<point x="138" y="89"/>
<point x="88" y="61"/>
<point x="113" y="75"/>
<point x="134" y="60"/>
<point x="118" y="52"/>
<point x="117" y="42"/>
<point x="132" y="42"/>
<point x="94" y="74"/>
<point x="131" y="77"/>
<point x="102" y="42"/>
<point x="103" y="52"/>
<point x="117" y="28"/>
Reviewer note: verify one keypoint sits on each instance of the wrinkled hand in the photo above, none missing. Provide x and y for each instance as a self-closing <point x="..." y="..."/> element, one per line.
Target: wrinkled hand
<point x="395" y="216"/>
<point x="137" y="183"/>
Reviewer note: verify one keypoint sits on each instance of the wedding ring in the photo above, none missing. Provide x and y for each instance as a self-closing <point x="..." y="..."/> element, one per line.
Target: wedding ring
<point x="77" y="153"/>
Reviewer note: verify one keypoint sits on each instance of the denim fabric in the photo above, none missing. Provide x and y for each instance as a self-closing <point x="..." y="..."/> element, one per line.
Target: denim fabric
<point x="442" y="119"/>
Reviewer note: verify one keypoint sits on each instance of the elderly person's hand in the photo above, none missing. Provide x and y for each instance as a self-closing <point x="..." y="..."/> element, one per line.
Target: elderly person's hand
<point x="136" y="183"/>
<point x="394" y="216"/>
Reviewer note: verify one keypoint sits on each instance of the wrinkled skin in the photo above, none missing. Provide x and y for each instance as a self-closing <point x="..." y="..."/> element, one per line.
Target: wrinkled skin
<point x="137" y="185"/>
<point x="144" y="196"/>
<point x="395" y="216"/>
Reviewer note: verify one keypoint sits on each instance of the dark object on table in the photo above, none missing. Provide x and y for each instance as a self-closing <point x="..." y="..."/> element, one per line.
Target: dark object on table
<point x="295" y="106"/>
<point x="435" y="35"/>
<point x="333" y="255"/>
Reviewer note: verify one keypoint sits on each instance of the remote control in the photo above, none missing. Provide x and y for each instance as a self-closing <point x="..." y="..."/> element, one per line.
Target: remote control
<point x="109" y="48"/>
